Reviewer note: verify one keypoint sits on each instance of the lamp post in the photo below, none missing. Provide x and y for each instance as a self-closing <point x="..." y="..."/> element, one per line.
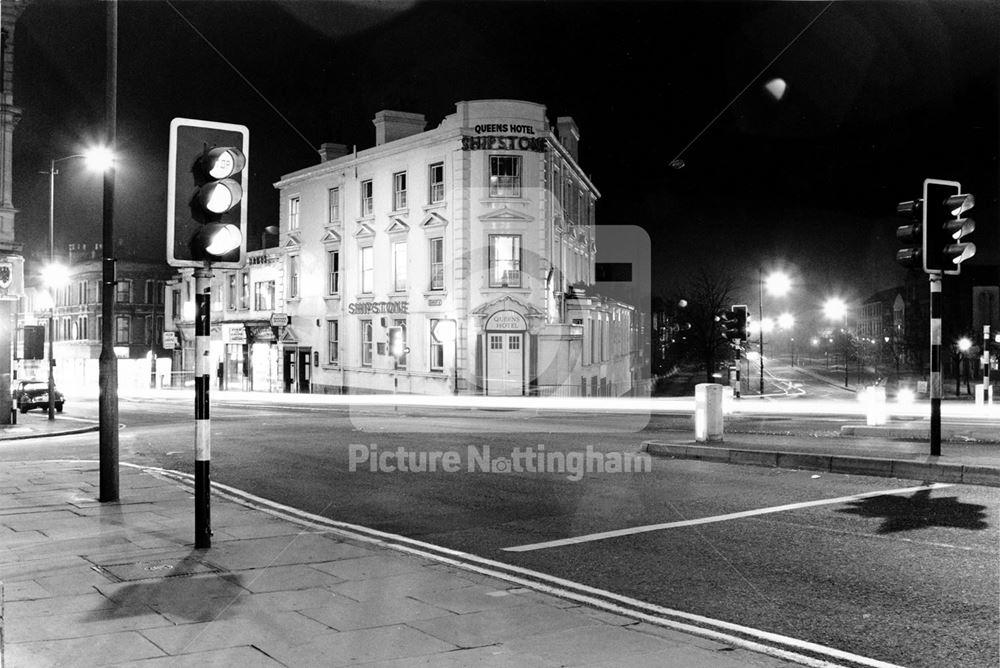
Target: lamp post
<point x="835" y="309"/>
<point x="100" y="159"/>
<point x="778" y="285"/>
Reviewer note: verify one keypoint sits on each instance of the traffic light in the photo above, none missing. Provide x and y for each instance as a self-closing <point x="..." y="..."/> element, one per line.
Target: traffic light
<point x="739" y="328"/>
<point x="911" y="235"/>
<point x="944" y="226"/>
<point x="206" y="194"/>
<point x="733" y="323"/>
<point x="396" y="345"/>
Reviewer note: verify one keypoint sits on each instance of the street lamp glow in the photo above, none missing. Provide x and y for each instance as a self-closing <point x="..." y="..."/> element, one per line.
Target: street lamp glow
<point x="835" y="308"/>
<point x="778" y="283"/>
<point x="55" y="275"/>
<point x="786" y="321"/>
<point x="964" y="344"/>
<point x="99" y="158"/>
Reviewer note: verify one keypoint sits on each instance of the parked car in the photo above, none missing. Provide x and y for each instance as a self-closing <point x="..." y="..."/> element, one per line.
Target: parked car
<point x="28" y="394"/>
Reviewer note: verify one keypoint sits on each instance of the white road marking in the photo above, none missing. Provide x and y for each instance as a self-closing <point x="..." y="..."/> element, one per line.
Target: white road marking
<point x="717" y="518"/>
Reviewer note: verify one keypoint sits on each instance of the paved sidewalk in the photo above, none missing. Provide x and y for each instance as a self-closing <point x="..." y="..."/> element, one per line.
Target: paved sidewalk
<point x="90" y="584"/>
<point x="37" y="425"/>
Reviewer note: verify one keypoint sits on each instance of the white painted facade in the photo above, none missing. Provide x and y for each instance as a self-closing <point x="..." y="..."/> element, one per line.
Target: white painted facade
<point x="486" y="221"/>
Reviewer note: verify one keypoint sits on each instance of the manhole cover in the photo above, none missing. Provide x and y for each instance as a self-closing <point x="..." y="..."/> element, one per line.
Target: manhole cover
<point x="156" y="568"/>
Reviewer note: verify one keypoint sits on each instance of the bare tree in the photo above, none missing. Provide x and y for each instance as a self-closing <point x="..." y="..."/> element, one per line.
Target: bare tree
<point x="709" y="293"/>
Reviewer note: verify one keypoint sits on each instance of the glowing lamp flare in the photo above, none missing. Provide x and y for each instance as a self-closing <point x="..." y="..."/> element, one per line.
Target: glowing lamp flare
<point x="220" y="196"/>
<point x="223" y="162"/>
<point x="220" y="239"/>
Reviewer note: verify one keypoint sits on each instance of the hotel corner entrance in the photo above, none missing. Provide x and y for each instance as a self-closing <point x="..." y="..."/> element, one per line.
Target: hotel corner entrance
<point x="504" y="339"/>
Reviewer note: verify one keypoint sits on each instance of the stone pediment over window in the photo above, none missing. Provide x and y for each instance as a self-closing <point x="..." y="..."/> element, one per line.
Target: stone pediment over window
<point x="434" y="219"/>
<point x="331" y="237"/>
<point x="506" y="215"/>
<point x="364" y="230"/>
<point x="293" y="240"/>
<point x="397" y="226"/>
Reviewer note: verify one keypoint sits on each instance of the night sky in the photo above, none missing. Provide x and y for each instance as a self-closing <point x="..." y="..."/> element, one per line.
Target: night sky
<point x="879" y="96"/>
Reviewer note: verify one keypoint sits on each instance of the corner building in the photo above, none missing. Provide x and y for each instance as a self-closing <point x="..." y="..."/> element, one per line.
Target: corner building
<point x="476" y="239"/>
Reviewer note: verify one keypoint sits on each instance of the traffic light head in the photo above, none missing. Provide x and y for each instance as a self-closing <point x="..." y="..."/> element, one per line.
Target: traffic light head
<point x="733" y="323"/>
<point x="911" y="236"/>
<point x="739" y="330"/>
<point x="945" y="225"/>
<point x="207" y="182"/>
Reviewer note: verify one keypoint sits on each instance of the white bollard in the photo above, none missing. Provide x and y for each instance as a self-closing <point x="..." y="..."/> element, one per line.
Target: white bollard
<point x="875" y="407"/>
<point x="707" y="412"/>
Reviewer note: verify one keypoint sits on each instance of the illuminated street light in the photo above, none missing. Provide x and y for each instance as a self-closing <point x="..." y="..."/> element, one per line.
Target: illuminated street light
<point x="98" y="158"/>
<point x="786" y="321"/>
<point x="778" y="284"/>
<point x="964" y="344"/>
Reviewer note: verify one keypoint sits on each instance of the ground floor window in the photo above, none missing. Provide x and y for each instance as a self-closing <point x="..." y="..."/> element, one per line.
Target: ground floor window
<point x="366" y="342"/>
<point x="437" y="349"/>
<point x="333" y="341"/>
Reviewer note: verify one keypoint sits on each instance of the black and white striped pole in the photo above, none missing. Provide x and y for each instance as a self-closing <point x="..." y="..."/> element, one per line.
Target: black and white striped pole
<point x="987" y="390"/>
<point x="202" y="420"/>
<point x="206" y="228"/>
<point x="935" y="384"/>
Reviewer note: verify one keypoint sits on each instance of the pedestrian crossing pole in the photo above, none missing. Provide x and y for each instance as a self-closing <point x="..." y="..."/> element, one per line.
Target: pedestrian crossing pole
<point x="935" y="384"/>
<point x="987" y="388"/>
<point x="202" y="421"/>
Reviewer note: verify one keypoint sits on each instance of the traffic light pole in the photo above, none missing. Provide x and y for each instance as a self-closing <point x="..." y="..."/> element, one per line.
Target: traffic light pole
<point x="202" y="420"/>
<point x="935" y="384"/>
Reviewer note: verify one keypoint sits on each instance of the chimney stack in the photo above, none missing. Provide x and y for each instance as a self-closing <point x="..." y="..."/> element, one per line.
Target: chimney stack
<point x="330" y="151"/>
<point x="393" y="125"/>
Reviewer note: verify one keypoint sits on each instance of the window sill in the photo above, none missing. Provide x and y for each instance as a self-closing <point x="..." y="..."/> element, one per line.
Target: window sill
<point x="433" y="206"/>
<point x="435" y="293"/>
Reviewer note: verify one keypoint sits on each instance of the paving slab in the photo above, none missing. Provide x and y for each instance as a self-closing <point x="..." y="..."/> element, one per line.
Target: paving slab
<point x="82" y="652"/>
<point x="244" y="657"/>
<point x="345" y="614"/>
<point x="353" y="647"/>
<point x="502" y="625"/>
<point x="586" y="644"/>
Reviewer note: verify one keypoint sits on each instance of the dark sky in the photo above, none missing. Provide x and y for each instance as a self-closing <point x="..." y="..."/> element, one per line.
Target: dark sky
<point x="879" y="96"/>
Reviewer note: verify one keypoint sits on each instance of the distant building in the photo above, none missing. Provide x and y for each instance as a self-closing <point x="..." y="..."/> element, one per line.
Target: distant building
<point x="77" y="320"/>
<point x="476" y="238"/>
<point x="244" y="340"/>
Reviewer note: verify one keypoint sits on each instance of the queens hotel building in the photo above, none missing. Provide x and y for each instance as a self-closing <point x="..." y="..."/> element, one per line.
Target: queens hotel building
<point x="475" y="239"/>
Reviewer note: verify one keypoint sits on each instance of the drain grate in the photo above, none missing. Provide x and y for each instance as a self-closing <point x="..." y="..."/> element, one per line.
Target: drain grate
<point x="155" y="569"/>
